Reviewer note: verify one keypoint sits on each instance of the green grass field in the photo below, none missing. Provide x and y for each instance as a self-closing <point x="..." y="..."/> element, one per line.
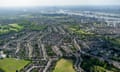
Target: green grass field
<point x="64" y="65"/>
<point x="11" y="64"/>
<point x="4" y="29"/>
<point x="77" y="30"/>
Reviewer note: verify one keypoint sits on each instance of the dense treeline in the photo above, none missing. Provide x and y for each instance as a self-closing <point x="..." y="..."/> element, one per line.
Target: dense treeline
<point x="91" y="64"/>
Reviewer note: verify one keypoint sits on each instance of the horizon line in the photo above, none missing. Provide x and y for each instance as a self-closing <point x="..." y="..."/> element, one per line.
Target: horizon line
<point x="53" y="6"/>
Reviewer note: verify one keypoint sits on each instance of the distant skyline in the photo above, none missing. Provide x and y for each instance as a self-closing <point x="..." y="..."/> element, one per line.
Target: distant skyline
<point x="19" y="3"/>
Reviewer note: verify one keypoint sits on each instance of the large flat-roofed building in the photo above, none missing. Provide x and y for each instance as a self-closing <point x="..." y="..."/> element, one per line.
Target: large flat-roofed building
<point x="2" y="55"/>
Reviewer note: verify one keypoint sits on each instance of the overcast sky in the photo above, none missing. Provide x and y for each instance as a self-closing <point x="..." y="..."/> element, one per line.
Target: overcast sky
<point x="5" y="3"/>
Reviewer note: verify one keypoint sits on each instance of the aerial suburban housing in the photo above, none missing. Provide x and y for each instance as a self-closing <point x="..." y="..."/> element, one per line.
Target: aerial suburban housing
<point x="60" y="39"/>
